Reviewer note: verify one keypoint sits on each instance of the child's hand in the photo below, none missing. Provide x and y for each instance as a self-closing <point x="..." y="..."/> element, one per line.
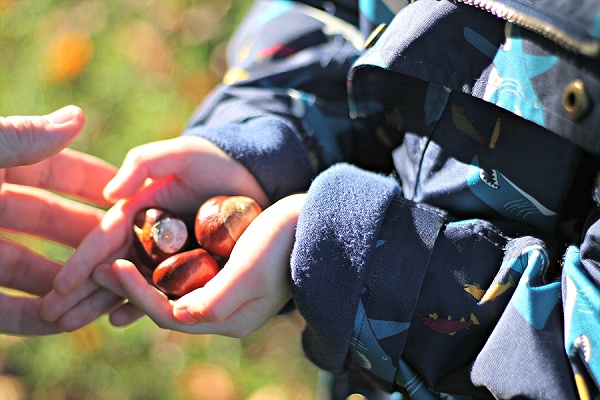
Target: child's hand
<point x="178" y="174"/>
<point x="253" y="286"/>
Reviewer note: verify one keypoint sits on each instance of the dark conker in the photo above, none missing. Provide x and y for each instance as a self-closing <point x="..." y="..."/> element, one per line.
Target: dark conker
<point x="185" y="272"/>
<point x="221" y="220"/>
<point x="158" y="235"/>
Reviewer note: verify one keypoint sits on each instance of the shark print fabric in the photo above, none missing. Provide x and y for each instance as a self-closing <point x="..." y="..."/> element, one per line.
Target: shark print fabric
<point x="449" y="151"/>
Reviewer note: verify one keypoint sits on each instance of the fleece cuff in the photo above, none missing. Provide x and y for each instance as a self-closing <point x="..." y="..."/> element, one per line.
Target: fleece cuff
<point x="335" y="237"/>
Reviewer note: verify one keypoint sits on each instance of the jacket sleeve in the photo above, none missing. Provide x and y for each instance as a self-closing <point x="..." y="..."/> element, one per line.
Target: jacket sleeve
<point x="351" y="234"/>
<point x="282" y="107"/>
<point x="385" y="284"/>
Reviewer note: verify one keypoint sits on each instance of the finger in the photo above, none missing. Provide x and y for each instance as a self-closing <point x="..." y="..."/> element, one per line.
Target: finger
<point x="177" y="158"/>
<point x="69" y="172"/>
<point x="19" y="315"/>
<point x="27" y="140"/>
<point x="24" y="270"/>
<point x="255" y="283"/>
<point x="146" y="161"/>
<point x="53" y="305"/>
<point x="145" y="296"/>
<point x="237" y="311"/>
<point x="159" y="308"/>
<point x="229" y="290"/>
<point x="126" y="315"/>
<point x="40" y="213"/>
<point x="112" y="237"/>
<point x="97" y="304"/>
<point x="150" y="301"/>
<point x="257" y="268"/>
<point x="104" y="276"/>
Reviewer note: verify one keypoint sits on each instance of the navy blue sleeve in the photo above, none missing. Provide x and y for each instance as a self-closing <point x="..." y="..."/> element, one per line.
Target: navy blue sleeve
<point x="282" y="109"/>
<point x="354" y="230"/>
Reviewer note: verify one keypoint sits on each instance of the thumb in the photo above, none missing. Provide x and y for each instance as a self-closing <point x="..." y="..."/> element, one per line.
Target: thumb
<point x="25" y="140"/>
<point x="221" y="297"/>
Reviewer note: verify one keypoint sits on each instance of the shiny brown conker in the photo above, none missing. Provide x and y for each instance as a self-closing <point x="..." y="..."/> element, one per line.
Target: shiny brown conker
<point x="158" y="235"/>
<point x="185" y="272"/>
<point x="221" y="220"/>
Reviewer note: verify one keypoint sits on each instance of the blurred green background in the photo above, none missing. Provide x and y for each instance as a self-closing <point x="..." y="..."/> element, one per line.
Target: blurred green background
<point x="138" y="69"/>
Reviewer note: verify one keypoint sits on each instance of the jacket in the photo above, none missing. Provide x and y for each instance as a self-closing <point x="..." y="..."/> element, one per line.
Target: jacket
<point x="449" y="151"/>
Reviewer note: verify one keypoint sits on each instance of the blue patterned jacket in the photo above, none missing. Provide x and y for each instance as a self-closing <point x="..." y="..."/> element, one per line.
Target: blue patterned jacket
<point x="449" y="151"/>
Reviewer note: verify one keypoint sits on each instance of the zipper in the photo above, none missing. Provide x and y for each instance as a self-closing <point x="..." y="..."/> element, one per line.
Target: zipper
<point x="559" y="36"/>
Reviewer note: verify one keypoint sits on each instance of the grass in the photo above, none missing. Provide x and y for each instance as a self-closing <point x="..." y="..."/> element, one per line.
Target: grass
<point x="145" y="362"/>
<point x="138" y="69"/>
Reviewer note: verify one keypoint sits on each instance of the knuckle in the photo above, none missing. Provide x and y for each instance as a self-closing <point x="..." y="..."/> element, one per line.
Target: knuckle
<point x="69" y="324"/>
<point x="209" y="314"/>
<point x="207" y="311"/>
<point x="135" y="156"/>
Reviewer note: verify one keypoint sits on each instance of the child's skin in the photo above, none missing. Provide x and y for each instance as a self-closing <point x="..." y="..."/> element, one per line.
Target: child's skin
<point x="250" y="290"/>
<point x="252" y="287"/>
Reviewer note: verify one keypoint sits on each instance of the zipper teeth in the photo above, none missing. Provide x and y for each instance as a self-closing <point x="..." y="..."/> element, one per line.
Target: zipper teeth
<point x="588" y="48"/>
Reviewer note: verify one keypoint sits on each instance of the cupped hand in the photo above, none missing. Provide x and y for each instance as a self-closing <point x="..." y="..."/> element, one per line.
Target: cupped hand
<point x="178" y="174"/>
<point x="252" y="287"/>
<point x="34" y="168"/>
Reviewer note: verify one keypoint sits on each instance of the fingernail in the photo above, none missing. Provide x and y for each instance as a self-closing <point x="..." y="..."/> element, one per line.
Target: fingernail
<point x="183" y="315"/>
<point x="47" y="310"/>
<point x="62" y="116"/>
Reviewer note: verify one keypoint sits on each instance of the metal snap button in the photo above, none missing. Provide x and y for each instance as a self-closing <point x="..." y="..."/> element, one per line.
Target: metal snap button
<point x="575" y="100"/>
<point x="356" y="396"/>
<point x="375" y="35"/>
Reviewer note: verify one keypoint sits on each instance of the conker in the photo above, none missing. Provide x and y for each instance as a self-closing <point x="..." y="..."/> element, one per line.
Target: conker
<point x="162" y="242"/>
<point x="158" y="235"/>
<point x="185" y="272"/>
<point x="221" y="220"/>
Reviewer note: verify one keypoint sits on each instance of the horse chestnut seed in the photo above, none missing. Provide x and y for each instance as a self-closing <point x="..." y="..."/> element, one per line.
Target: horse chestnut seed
<point x="158" y="235"/>
<point x="221" y="220"/>
<point x="185" y="272"/>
